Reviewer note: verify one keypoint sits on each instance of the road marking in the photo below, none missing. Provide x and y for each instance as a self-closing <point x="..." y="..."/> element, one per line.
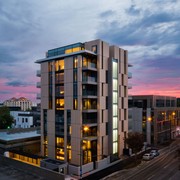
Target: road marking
<point x="150" y="177"/>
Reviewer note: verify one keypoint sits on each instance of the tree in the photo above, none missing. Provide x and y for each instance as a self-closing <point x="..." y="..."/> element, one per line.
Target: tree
<point x="6" y="119"/>
<point x="135" y="142"/>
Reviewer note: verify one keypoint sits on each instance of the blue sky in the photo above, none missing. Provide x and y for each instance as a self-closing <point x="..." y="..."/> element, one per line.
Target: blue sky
<point x="149" y="30"/>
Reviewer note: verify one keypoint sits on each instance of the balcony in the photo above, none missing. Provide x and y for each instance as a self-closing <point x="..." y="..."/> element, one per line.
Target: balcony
<point x="38" y="85"/>
<point x="89" y="104"/>
<point x="129" y="86"/>
<point x="89" y="118"/>
<point x="90" y="132"/>
<point x="90" y="66"/>
<point x="38" y="96"/>
<point x="89" y="90"/>
<point x="129" y="75"/>
<point x="38" y="73"/>
<point x="89" y="80"/>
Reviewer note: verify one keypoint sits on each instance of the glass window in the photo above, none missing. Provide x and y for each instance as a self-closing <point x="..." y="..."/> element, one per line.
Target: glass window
<point x="75" y="104"/>
<point x="94" y="48"/>
<point x="115" y="147"/>
<point x="59" y="104"/>
<point x="115" y="70"/>
<point x="59" y="65"/>
<point x="75" y="62"/>
<point x="59" y="77"/>
<point x="115" y="110"/>
<point x="115" y="122"/>
<point x="115" y="97"/>
<point x="115" y="135"/>
<point x="115" y="85"/>
<point x="59" y="90"/>
<point x="85" y="62"/>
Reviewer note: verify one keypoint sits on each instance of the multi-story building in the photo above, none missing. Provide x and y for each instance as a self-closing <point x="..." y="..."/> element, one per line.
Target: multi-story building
<point x="157" y="117"/>
<point x="84" y="104"/>
<point x="22" y="119"/>
<point x="21" y="102"/>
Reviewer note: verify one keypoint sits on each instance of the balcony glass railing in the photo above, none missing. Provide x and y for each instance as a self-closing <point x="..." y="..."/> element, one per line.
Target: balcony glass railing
<point x="65" y="49"/>
<point x="89" y="93"/>
<point x="89" y="79"/>
<point x="90" y="65"/>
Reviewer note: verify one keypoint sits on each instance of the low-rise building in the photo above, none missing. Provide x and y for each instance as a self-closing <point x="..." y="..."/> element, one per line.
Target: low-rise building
<point x="157" y="117"/>
<point x="21" y="102"/>
<point x="22" y="119"/>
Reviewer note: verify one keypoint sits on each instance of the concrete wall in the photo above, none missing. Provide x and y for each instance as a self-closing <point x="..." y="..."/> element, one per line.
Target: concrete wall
<point x="46" y="174"/>
<point x="76" y="169"/>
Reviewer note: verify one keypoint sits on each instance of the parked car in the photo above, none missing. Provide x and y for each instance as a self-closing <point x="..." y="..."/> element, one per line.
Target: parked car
<point x="155" y="152"/>
<point x="148" y="156"/>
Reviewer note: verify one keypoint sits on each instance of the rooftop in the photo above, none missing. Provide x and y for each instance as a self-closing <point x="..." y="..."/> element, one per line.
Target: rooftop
<point x="6" y="136"/>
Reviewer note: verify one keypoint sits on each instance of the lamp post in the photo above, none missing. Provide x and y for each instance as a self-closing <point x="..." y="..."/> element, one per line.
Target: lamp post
<point x="148" y="129"/>
<point x="83" y="128"/>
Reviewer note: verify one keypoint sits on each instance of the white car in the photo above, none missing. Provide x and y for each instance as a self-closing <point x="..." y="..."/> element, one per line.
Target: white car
<point x="148" y="156"/>
<point x="154" y="152"/>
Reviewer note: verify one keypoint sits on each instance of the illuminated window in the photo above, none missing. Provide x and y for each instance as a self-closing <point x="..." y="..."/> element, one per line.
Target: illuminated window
<point x="115" y="84"/>
<point x="67" y="51"/>
<point x="85" y="62"/>
<point x="75" y="104"/>
<point x="115" y="70"/>
<point x="59" y="65"/>
<point x="59" y="91"/>
<point x="59" y="142"/>
<point x="115" y="135"/>
<point x="115" y="110"/>
<point x="115" y="147"/>
<point x="115" y="97"/>
<point x="75" y="65"/>
<point x="60" y="154"/>
<point x="59" y="104"/>
<point x="76" y="49"/>
<point x="115" y="122"/>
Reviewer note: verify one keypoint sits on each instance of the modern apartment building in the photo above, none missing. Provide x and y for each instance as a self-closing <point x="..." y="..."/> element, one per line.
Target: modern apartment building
<point x="21" y="102"/>
<point x="157" y="117"/>
<point x="84" y="104"/>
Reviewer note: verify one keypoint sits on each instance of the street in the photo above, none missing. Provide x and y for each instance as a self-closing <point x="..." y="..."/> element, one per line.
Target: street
<point x="163" y="167"/>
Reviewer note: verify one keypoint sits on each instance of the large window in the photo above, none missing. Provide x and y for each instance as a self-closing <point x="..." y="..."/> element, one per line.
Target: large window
<point x="59" y="65"/>
<point x="115" y="105"/>
<point x="59" y="90"/>
<point x="59" y="104"/>
<point x="59" y="77"/>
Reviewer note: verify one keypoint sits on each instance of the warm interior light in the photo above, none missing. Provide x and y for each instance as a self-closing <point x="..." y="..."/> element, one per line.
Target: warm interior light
<point x="86" y="128"/>
<point x="149" y="118"/>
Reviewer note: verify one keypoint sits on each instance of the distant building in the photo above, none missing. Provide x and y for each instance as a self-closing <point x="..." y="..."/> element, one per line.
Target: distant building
<point x="157" y="117"/>
<point x="21" y="102"/>
<point x="84" y="104"/>
<point x="22" y="119"/>
<point x="178" y="102"/>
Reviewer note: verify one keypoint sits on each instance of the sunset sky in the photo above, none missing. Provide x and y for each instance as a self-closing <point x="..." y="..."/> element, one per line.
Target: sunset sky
<point x="148" y="29"/>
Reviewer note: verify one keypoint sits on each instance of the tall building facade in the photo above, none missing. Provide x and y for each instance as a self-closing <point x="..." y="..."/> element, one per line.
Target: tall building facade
<point x="157" y="117"/>
<point x="84" y="103"/>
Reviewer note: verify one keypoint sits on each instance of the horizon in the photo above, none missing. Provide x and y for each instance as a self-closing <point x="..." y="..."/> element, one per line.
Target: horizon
<point x="148" y="30"/>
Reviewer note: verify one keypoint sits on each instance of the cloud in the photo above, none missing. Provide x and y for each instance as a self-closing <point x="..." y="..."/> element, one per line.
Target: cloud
<point x="18" y="83"/>
<point x="106" y="14"/>
<point x="133" y="10"/>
